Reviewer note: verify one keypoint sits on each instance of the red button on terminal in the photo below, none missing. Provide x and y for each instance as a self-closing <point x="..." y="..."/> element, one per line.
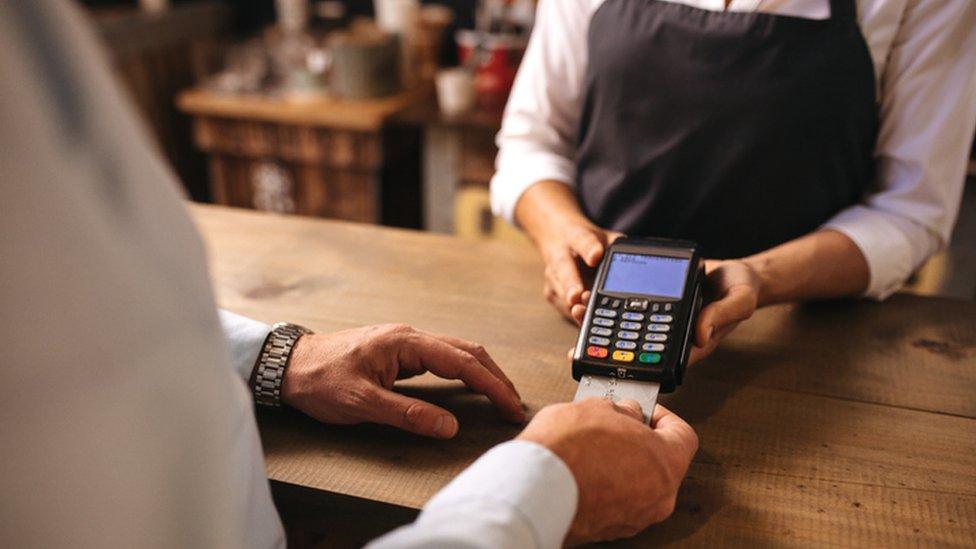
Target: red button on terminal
<point x="596" y="352"/>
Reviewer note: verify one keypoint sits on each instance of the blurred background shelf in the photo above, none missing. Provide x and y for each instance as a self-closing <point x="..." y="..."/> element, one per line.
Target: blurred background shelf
<point x="327" y="158"/>
<point x="155" y="56"/>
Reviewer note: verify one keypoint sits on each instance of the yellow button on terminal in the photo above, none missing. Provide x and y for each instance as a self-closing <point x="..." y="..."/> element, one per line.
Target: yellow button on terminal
<point x="623" y="356"/>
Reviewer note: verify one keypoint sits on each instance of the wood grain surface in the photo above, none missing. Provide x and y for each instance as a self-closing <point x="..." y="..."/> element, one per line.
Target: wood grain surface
<point x="364" y="115"/>
<point x="841" y="423"/>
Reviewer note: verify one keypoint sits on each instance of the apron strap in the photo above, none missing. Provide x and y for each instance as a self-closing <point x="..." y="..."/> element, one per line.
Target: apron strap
<point x="843" y="9"/>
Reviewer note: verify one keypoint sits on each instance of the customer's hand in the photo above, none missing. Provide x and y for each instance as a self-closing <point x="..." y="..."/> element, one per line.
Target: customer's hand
<point x="627" y="473"/>
<point x="347" y="377"/>
<point x="732" y="292"/>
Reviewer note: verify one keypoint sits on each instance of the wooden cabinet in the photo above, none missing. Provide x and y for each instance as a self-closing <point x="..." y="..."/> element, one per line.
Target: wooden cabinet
<point x="328" y="158"/>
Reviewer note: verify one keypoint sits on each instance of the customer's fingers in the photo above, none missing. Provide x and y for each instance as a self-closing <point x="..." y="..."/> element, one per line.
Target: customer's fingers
<point x="479" y="352"/>
<point x="675" y="431"/>
<point x="450" y="362"/>
<point x="410" y="414"/>
<point x="630" y="408"/>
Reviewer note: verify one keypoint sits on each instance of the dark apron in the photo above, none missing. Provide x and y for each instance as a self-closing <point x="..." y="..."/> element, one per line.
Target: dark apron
<point x="738" y="130"/>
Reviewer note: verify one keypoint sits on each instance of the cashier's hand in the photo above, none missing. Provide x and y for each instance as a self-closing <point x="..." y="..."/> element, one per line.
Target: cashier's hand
<point x="732" y="294"/>
<point x="569" y="248"/>
<point x="627" y="473"/>
<point x="347" y="377"/>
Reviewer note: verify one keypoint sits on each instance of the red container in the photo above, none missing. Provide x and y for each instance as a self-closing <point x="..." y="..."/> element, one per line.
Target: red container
<point x="495" y="71"/>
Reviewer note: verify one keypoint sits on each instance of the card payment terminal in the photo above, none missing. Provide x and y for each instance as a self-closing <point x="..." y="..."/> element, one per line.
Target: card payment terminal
<point x="638" y="329"/>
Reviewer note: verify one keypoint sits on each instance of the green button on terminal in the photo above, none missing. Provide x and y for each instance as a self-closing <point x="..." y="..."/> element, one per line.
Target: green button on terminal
<point x="650" y="358"/>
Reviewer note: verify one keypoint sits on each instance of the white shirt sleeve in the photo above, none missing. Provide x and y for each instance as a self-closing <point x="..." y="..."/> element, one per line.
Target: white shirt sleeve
<point x="538" y="135"/>
<point x="519" y="494"/>
<point x="928" y="112"/>
<point x="245" y="337"/>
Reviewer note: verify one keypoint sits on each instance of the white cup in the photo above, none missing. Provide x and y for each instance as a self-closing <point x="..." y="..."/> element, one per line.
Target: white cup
<point x="397" y="16"/>
<point x="455" y="91"/>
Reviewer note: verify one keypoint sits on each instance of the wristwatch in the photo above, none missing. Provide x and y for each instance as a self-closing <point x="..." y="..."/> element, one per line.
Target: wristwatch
<point x="275" y="356"/>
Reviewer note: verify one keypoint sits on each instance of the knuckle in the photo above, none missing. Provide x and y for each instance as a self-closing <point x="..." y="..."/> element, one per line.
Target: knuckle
<point x="413" y="414"/>
<point x="631" y="530"/>
<point x="359" y="397"/>
<point x="693" y="440"/>
<point x="662" y="510"/>
<point x="400" y="328"/>
<point x="479" y="351"/>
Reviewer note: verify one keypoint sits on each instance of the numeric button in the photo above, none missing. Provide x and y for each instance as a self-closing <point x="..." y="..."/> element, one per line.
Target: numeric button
<point x="627" y="335"/>
<point x="630" y="325"/>
<point x="658" y="328"/>
<point x="637" y="317"/>
<point x="600" y="321"/>
<point x="656" y="337"/>
<point x="661" y="318"/>
<point x="596" y="352"/>
<point x="653" y="347"/>
<point x="626" y="345"/>
<point x="606" y="313"/>
<point x="596" y="340"/>
<point x="601" y="331"/>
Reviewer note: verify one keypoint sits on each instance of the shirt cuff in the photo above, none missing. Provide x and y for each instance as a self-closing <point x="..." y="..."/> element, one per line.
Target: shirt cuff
<point x="245" y="337"/>
<point x="519" y="170"/>
<point x="522" y="475"/>
<point x="893" y="246"/>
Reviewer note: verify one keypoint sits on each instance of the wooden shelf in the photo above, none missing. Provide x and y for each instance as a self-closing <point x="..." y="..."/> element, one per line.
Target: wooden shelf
<point x="335" y="113"/>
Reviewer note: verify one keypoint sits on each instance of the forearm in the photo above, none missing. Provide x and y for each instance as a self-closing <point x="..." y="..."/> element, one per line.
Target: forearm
<point x="546" y="206"/>
<point x="822" y="264"/>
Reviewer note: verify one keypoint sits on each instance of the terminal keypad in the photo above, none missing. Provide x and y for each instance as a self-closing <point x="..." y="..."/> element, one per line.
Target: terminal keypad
<point x="624" y="329"/>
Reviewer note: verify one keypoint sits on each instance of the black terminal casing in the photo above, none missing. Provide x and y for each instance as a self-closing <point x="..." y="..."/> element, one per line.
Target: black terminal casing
<point x="670" y="370"/>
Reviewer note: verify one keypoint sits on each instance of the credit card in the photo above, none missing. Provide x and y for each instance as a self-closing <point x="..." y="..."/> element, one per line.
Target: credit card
<point x="614" y="390"/>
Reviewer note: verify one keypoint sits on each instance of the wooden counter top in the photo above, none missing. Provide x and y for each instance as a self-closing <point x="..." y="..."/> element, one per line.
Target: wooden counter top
<point x="845" y="423"/>
<point x="331" y="112"/>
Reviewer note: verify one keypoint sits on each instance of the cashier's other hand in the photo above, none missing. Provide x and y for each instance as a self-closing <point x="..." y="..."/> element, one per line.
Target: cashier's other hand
<point x="568" y="248"/>
<point x="732" y="294"/>
<point x="627" y="472"/>
<point x="347" y="377"/>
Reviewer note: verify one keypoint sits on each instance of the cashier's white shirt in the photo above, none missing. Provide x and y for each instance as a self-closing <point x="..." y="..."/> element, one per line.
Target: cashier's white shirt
<point x="124" y="422"/>
<point x="924" y="54"/>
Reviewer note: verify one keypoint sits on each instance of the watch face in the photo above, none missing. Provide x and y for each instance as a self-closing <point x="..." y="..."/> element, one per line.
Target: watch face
<point x="291" y="327"/>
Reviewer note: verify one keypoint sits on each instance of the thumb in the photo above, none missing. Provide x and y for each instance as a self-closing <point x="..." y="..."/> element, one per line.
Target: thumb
<point x="630" y="408"/>
<point x="411" y="414"/>
<point x="589" y="245"/>
<point x="737" y="305"/>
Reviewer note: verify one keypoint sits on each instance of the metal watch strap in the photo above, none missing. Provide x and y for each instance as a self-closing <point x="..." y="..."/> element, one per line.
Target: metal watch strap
<point x="275" y="355"/>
